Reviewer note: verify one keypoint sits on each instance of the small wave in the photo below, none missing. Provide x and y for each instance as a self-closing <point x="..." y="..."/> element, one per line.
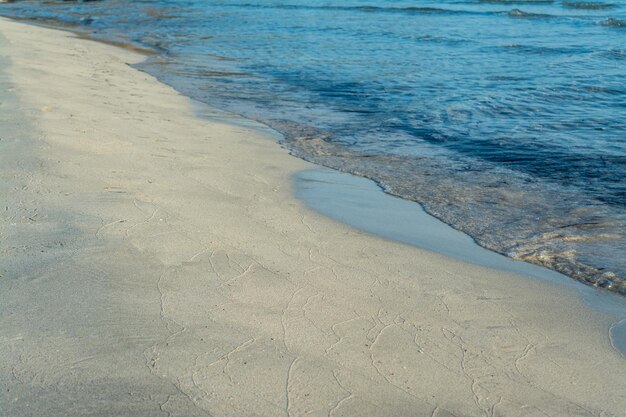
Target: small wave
<point x="519" y="14"/>
<point x="618" y="54"/>
<point x="504" y="78"/>
<point x="537" y="50"/>
<point x="399" y="9"/>
<point x="587" y="5"/>
<point x="371" y="9"/>
<point x="523" y="48"/>
<point x="87" y="20"/>
<point x="615" y="23"/>
<point x="517" y="1"/>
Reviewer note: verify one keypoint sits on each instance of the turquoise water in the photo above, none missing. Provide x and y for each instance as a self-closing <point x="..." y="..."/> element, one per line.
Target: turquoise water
<point x="505" y="119"/>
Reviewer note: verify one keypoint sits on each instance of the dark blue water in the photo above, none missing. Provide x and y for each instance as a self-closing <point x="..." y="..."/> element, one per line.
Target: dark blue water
<point x="505" y="119"/>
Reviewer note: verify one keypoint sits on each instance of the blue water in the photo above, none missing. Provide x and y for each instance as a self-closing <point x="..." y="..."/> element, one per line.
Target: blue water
<point x="505" y="119"/>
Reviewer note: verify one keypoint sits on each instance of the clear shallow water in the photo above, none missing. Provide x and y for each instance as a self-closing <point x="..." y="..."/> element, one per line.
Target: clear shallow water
<point x="505" y="119"/>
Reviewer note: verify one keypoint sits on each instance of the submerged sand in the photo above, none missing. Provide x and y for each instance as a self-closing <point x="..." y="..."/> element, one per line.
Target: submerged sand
<point x="157" y="264"/>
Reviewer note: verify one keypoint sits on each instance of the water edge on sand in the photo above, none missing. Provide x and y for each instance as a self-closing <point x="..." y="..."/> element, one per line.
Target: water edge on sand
<point x="362" y="204"/>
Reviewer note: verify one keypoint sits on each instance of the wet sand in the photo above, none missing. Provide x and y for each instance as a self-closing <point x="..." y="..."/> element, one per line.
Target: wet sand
<point x="156" y="263"/>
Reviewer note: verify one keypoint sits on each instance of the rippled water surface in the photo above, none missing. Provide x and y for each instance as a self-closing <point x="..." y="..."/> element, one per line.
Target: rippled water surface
<point x="504" y="118"/>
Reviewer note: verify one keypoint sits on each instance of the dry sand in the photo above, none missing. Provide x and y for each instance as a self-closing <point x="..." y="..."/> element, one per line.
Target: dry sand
<point x="157" y="264"/>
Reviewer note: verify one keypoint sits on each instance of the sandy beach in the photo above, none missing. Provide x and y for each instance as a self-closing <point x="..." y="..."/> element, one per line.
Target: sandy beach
<point x="155" y="263"/>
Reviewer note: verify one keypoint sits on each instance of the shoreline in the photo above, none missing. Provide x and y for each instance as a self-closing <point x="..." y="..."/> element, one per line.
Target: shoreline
<point x="182" y="277"/>
<point x="336" y="194"/>
<point x="604" y="280"/>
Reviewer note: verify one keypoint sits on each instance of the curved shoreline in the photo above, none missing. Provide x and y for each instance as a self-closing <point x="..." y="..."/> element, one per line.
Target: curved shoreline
<point x="181" y="276"/>
<point x="548" y="247"/>
<point x="336" y="195"/>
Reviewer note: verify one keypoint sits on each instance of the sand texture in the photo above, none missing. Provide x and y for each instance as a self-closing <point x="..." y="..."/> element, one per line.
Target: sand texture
<point x="154" y="263"/>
